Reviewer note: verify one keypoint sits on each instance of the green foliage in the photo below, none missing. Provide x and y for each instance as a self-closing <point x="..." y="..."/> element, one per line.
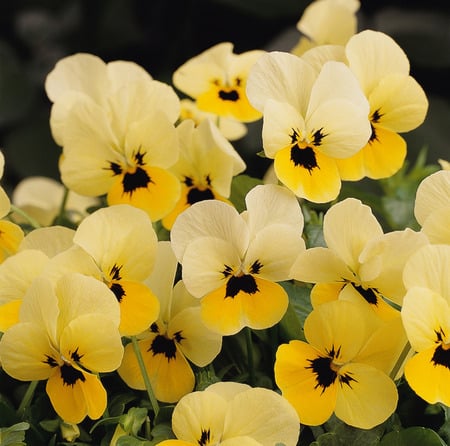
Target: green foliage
<point x="14" y="435"/>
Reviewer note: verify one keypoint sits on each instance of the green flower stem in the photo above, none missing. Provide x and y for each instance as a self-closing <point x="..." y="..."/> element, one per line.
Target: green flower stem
<point x="148" y="386"/>
<point x="26" y="400"/>
<point x="62" y="207"/>
<point x="27" y="217"/>
<point x="401" y="359"/>
<point x="250" y="359"/>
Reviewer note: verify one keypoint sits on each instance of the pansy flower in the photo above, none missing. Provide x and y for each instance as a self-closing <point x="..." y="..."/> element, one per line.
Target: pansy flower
<point x="342" y="368"/>
<point x="233" y="261"/>
<point x="311" y="119"/>
<point x="177" y="338"/>
<point x="11" y="235"/>
<point x="67" y="334"/>
<point x="398" y="104"/>
<point x="217" y="80"/>
<point x="41" y="198"/>
<point x="229" y="127"/>
<point x="117" y="134"/>
<point x="121" y="242"/>
<point x="326" y="22"/>
<point x="360" y="262"/>
<point x="205" y="168"/>
<point x="426" y="318"/>
<point x="231" y="414"/>
<point x="432" y="206"/>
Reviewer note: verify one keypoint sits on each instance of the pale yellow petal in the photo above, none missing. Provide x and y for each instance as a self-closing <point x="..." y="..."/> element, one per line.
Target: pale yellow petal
<point x="51" y="240"/>
<point x="120" y="236"/>
<point x="348" y="226"/>
<point x="436" y="226"/>
<point x="433" y="193"/>
<point x="199" y="344"/>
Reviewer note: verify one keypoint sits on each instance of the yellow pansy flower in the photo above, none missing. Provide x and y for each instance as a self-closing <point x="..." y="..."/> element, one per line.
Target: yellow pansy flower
<point x="311" y="119"/>
<point x="179" y="337"/>
<point x="205" y="168"/>
<point x="342" y="368"/>
<point x="233" y="261"/>
<point x="426" y="318"/>
<point x="217" y="80"/>
<point x="232" y="414"/>
<point x="67" y="334"/>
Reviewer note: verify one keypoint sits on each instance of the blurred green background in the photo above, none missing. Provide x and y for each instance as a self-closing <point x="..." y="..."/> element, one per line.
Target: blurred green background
<point x="160" y="35"/>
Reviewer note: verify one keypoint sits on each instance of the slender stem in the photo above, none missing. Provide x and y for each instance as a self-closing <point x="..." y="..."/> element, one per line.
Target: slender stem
<point x="401" y="359"/>
<point x="148" y="386"/>
<point x="26" y="400"/>
<point x="27" y="217"/>
<point x="62" y="207"/>
<point x="250" y="359"/>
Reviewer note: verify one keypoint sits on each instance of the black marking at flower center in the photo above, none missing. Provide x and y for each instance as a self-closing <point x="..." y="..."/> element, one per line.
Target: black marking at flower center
<point x="304" y="157"/>
<point x="317" y="137"/>
<point x="50" y="361"/>
<point x="256" y="266"/>
<point x="376" y="115"/>
<point x="118" y="291"/>
<point x="195" y="195"/>
<point x="139" y="179"/>
<point x="75" y="356"/>
<point x="162" y="345"/>
<point x="231" y="95"/>
<point x="325" y="375"/>
<point x="115" y="272"/>
<point x="115" y="167"/>
<point x="71" y="375"/>
<point x="245" y="283"/>
<point x="369" y="294"/>
<point x="205" y="437"/>
<point x="441" y="356"/>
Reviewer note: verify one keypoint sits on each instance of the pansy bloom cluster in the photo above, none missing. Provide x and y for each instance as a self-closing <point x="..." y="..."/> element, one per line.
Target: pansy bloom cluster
<point x="160" y="295"/>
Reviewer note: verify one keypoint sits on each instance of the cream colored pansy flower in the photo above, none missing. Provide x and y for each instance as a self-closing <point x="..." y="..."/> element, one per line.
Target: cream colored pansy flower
<point x="178" y="338"/>
<point x="217" y="80"/>
<point x="229" y="127"/>
<point x="311" y="119"/>
<point x="205" y="168"/>
<point x="432" y="206"/>
<point x="398" y="104"/>
<point x="67" y="335"/>
<point x="234" y="414"/>
<point x="360" y="262"/>
<point x="42" y="197"/>
<point x="117" y="132"/>
<point x="326" y="22"/>
<point x="233" y="261"/>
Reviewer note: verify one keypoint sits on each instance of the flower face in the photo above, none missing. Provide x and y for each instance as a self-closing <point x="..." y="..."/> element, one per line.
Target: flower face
<point x="432" y="206"/>
<point x="122" y="242"/>
<point x="360" y="263"/>
<point x="177" y="337"/>
<point x="118" y="140"/>
<point x="205" y="168"/>
<point x="310" y="120"/>
<point x="229" y="413"/>
<point x="232" y="260"/>
<point x="339" y="369"/>
<point x="397" y="104"/>
<point x="426" y="316"/>
<point x="67" y="334"/>
<point x="217" y="80"/>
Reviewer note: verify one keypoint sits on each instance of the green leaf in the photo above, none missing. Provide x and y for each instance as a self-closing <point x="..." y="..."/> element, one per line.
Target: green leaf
<point x="240" y="186"/>
<point x="13" y="435"/>
<point x="413" y="436"/>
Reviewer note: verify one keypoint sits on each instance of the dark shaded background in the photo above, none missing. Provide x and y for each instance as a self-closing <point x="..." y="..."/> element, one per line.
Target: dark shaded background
<point x="161" y="34"/>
